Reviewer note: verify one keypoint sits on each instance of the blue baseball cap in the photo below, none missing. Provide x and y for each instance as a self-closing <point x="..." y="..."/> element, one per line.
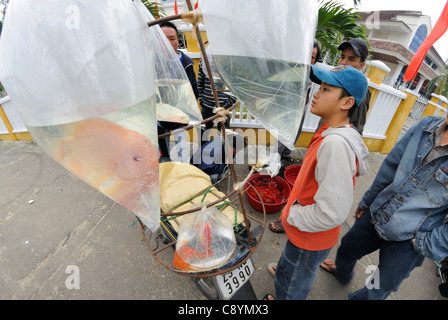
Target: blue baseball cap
<point x="347" y="77"/>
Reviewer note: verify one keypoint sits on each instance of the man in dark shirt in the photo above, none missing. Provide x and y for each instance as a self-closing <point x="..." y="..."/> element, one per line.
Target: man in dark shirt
<point x="354" y="53"/>
<point x="172" y="34"/>
<point x="170" y="31"/>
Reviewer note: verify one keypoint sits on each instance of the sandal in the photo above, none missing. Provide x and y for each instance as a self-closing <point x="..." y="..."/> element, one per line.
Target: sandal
<point x="272" y="267"/>
<point x="269" y="297"/>
<point x="276" y="227"/>
<point x="329" y="266"/>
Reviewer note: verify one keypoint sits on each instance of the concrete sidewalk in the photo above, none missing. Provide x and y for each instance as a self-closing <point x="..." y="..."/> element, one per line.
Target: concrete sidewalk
<point x="51" y="221"/>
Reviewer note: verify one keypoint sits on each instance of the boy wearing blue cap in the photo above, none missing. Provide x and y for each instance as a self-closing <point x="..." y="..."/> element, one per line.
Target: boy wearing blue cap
<point x="322" y="194"/>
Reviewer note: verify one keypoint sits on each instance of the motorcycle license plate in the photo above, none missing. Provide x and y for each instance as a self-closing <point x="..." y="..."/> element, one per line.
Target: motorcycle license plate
<point x="229" y="283"/>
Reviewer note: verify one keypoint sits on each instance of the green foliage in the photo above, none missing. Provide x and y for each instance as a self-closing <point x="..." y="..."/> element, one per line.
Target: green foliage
<point x="156" y="9"/>
<point x="335" y="23"/>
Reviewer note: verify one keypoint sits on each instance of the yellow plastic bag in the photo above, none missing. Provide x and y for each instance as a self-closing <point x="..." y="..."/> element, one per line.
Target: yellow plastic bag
<point x="179" y="182"/>
<point x="182" y="182"/>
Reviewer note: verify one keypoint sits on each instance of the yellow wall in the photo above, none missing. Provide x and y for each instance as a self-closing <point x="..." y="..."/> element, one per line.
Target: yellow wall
<point x="397" y="123"/>
<point x="192" y="46"/>
<point x="376" y="75"/>
<point x="11" y="136"/>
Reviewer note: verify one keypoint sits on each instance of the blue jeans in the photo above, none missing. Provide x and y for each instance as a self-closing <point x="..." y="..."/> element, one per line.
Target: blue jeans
<point x="396" y="259"/>
<point x="296" y="271"/>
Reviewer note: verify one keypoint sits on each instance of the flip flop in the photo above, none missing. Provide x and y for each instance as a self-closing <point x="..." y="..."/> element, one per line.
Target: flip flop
<point x="277" y="225"/>
<point x="329" y="266"/>
<point x="272" y="267"/>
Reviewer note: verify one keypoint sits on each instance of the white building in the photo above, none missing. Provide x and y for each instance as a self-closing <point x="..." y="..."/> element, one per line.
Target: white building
<point x="394" y="37"/>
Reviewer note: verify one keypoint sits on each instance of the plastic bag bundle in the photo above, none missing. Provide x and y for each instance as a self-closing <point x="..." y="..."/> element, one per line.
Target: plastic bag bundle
<point x="206" y="241"/>
<point x="262" y="50"/>
<point x="81" y="74"/>
<point x="175" y="98"/>
<point x="266" y="162"/>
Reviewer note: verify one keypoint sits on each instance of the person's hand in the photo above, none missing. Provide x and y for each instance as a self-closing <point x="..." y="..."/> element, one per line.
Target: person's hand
<point x="358" y="213"/>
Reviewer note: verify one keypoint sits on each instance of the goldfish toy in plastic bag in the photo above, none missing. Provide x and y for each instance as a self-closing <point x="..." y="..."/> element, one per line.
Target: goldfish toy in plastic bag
<point x="206" y="241"/>
<point x="82" y="76"/>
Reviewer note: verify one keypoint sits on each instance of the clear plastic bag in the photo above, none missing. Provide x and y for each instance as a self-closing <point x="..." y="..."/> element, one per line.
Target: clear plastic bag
<point x="175" y="98"/>
<point x="206" y="240"/>
<point x="81" y="74"/>
<point x="266" y="162"/>
<point x="262" y="50"/>
<point x="63" y="62"/>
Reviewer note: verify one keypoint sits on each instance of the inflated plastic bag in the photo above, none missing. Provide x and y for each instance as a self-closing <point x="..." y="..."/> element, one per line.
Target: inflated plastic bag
<point x="206" y="241"/>
<point x="175" y="98"/>
<point x="262" y="50"/>
<point x="220" y="86"/>
<point x="81" y="74"/>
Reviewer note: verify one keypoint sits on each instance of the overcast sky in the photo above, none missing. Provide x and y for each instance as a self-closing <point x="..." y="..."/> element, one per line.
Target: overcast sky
<point x="432" y="8"/>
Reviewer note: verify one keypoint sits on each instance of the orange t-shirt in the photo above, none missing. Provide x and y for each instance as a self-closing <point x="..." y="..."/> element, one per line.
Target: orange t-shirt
<point x="303" y="191"/>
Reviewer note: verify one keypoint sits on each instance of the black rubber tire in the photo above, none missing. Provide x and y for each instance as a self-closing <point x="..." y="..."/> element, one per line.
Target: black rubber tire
<point x="207" y="287"/>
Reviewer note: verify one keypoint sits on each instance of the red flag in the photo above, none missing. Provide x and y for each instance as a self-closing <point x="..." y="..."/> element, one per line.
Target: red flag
<point x="438" y="31"/>
<point x="175" y="7"/>
<point x="197" y="5"/>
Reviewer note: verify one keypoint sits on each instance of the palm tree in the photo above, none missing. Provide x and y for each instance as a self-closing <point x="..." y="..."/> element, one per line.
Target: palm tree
<point x="441" y="81"/>
<point x="336" y="23"/>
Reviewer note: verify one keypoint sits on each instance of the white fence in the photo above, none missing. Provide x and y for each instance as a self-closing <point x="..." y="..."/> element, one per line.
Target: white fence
<point x="242" y="118"/>
<point x="382" y="110"/>
<point x="419" y="108"/>
<point x="417" y="111"/>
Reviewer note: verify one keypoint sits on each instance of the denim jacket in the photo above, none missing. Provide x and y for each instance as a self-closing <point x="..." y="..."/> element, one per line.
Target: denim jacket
<point x="409" y="199"/>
